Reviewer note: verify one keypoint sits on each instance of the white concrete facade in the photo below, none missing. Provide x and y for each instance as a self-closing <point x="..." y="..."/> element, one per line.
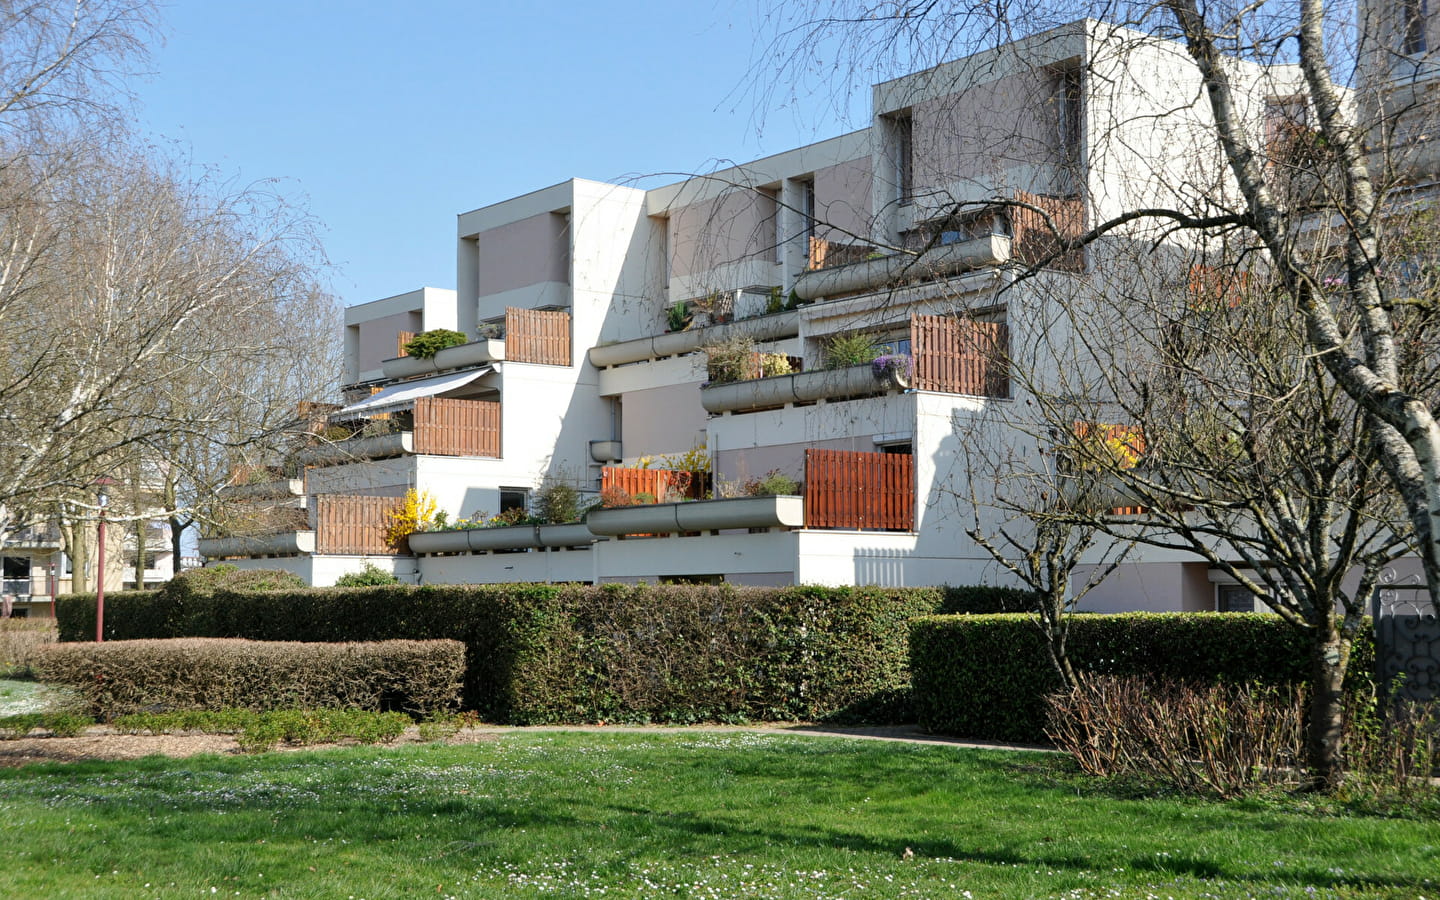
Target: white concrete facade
<point x="617" y="258"/>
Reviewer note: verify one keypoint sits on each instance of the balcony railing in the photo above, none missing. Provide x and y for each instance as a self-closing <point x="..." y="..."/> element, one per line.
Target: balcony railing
<point x="873" y="273"/>
<point x="854" y="490"/>
<point x="353" y="525"/>
<point x="799" y="387"/>
<point x="761" y="328"/>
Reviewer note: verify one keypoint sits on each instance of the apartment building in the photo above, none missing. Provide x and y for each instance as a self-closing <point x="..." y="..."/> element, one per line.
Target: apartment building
<point x="593" y="313"/>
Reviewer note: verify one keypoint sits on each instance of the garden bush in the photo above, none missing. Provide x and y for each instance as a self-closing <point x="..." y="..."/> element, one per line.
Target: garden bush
<point x="122" y="677"/>
<point x="572" y="653"/>
<point x="20" y="640"/>
<point x="369" y="575"/>
<point x="984" y="598"/>
<point x="986" y="676"/>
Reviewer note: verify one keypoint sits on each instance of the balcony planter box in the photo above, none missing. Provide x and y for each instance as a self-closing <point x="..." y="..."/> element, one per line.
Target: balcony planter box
<point x="761" y="328"/>
<point x="701" y="515"/>
<point x="379" y="447"/>
<point x="512" y="537"/>
<point x="778" y="390"/>
<point x="606" y="451"/>
<point x="265" y="490"/>
<point x="474" y="353"/>
<point x="991" y="250"/>
<point x="259" y="545"/>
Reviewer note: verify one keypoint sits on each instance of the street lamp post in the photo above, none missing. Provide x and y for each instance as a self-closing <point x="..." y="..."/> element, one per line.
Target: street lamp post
<point x="102" y="499"/>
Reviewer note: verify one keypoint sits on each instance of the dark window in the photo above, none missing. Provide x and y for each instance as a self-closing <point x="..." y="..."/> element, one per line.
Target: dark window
<point x="904" y="132"/>
<point x="905" y="449"/>
<point x="1412" y="26"/>
<point x="692" y="579"/>
<point x="513" y="498"/>
<point x="1234" y="598"/>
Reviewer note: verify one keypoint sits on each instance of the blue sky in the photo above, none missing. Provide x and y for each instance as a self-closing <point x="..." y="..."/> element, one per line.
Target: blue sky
<point x="387" y="119"/>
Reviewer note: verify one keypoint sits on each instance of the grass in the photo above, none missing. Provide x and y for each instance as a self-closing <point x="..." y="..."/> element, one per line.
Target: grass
<point x="18" y="697"/>
<point x="698" y="815"/>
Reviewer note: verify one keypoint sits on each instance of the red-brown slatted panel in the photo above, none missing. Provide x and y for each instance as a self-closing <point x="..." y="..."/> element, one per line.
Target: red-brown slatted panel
<point x="352" y="525"/>
<point x="656" y="482"/>
<point x="846" y="489"/>
<point x="457" y="427"/>
<point x="537" y="336"/>
<point x="960" y="356"/>
<point x="1033" y="239"/>
<point x="401" y="339"/>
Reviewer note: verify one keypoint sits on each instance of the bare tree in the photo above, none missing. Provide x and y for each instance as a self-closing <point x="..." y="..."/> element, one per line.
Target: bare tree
<point x="155" y="312"/>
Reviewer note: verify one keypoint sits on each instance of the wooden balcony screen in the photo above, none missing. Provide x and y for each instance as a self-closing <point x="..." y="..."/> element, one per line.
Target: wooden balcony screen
<point x="457" y="427"/>
<point x="1033" y="240"/>
<point x="401" y="339"/>
<point x="960" y="356"/>
<point x="658" y="483"/>
<point x="537" y="336"/>
<point x="826" y="254"/>
<point x="353" y="525"/>
<point x="845" y="489"/>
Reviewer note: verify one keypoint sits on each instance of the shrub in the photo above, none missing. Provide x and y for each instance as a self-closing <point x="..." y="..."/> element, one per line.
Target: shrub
<point x="854" y="349"/>
<point x="573" y="653"/>
<point x="772" y="364"/>
<point x="557" y="501"/>
<point x="415" y="513"/>
<point x="428" y="343"/>
<point x="984" y="598"/>
<point x="20" y="639"/>
<point x="1225" y="740"/>
<point x="613" y="496"/>
<point x="211" y="673"/>
<point x="986" y="676"/>
<point x="774" y="483"/>
<point x="733" y="359"/>
<point x="370" y="575"/>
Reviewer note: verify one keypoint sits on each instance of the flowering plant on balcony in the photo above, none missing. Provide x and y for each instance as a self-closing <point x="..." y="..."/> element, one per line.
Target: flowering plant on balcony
<point x="893" y="366"/>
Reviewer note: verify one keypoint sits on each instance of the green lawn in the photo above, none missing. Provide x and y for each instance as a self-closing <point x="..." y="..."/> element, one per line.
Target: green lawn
<point x="698" y="815"/>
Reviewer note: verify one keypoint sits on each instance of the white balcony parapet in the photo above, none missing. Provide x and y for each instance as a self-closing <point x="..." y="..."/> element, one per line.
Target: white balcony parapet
<point x="475" y="353"/>
<point x="513" y="537"/>
<point x="265" y="490"/>
<point x="259" y="545"/>
<point x="761" y="328"/>
<point x="800" y="387"/>
<point x="355" y="449"/>
<point x="699" y="515"/>
<point x="991" y="250"/>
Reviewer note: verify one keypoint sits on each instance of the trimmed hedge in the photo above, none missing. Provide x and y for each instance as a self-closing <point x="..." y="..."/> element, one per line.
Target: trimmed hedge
<point x="571" y="653"/>
<point x="979" y="599"/>
<point x="987" y="676"/>
<point x="208" y="673"/>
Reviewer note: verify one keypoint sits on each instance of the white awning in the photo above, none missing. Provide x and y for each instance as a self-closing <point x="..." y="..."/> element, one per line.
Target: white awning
<point x="403" y="395"/>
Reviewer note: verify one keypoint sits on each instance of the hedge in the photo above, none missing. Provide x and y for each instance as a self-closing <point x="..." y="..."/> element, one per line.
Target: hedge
<point x="123" y="677"/>
<point x="986" y="676"/>
<point x="570" y="653"/>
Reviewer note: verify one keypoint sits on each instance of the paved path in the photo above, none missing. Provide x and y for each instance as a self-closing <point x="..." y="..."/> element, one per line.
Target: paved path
<point x="904" y="733"/>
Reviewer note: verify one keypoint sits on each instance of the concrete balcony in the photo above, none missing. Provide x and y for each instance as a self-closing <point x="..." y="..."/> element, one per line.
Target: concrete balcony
<point x="800" y="387"/>
<point x="283" y="489"/>
<point x="900" y="268"/>
<point x="475" y="353"/>
<point x="761" y="328"/>
<point x="514" y="537"/>
<point x="384" y="446"/>
<point x="283" y="544"/>
<point x="700" y="515"/>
